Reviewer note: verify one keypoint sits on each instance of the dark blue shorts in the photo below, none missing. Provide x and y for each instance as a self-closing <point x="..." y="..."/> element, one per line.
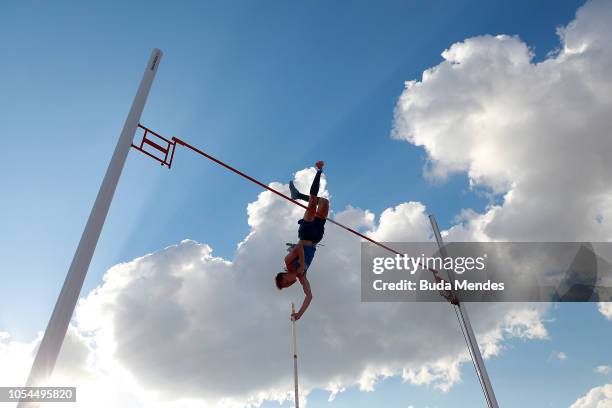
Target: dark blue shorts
<point x="312" y="230"/>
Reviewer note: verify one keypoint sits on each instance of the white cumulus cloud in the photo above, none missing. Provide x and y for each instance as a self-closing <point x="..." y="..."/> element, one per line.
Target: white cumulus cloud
<point x="536" y="135"/>
<point x="183" y="322"/>
<point x="606" y="309"/>
<point x="533" y="135"/>
<point x="598" y="397"/>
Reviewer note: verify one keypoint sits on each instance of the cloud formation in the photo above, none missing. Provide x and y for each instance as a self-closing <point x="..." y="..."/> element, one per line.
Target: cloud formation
<point x="183" y="322"/>
<point x="606" y="309"/>
<point x="598" y="397"/>
<point x="535" y="135"/>
<point x="186" y="322"/>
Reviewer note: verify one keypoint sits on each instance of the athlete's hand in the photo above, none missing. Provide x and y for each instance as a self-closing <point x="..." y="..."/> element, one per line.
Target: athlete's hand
<point x="295" y="316"/>
<point x="319" y="165"/>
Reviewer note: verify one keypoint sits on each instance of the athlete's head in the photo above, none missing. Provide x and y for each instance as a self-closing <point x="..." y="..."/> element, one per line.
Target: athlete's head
<point x="284" y="279"/>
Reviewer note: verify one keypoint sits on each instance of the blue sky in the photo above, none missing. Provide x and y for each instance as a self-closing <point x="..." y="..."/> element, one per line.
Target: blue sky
<point x="270" y="87"/>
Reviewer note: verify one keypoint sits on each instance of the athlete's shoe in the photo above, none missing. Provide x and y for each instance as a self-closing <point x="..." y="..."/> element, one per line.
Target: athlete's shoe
<point x="319" y="165"/>
<point x="295" y="194"/>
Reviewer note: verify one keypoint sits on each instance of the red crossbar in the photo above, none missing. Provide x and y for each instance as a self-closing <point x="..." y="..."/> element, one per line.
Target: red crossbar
<point x="176" y="140"/>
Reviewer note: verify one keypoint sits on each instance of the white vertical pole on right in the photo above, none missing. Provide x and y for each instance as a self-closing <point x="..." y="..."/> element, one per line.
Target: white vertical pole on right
<point x="468" y="332"/>
<point x="294" y="351"/>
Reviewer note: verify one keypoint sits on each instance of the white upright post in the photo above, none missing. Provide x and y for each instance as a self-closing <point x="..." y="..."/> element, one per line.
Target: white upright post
<point x="45" y="359"/>
<point x="468" y="333"/>
<point x="294" y="351"/>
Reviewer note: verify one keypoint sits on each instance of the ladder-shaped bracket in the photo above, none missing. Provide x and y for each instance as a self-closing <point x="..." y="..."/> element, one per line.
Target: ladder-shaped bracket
<point x="156" y="146"/>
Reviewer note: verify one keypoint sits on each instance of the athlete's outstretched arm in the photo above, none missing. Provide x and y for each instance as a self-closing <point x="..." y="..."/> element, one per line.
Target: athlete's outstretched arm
<point x="307" y="299"/>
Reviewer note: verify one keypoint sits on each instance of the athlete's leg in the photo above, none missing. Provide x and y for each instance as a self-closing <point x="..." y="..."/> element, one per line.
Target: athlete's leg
<point x="323" y="208"/>
<point x="314" y="187"/>
<point x="310" y="213"/>
<point x="313" y="199"/>
<point x="295" y="193"/>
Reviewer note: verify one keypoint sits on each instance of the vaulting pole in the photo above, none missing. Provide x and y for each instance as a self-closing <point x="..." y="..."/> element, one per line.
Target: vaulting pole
<point x="51" y="343"/>
<point x="294" y="351"/>
<point x="466" y="328"/>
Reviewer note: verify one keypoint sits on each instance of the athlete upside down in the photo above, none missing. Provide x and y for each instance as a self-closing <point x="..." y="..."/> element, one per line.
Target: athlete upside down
<point x="310" y="233"/>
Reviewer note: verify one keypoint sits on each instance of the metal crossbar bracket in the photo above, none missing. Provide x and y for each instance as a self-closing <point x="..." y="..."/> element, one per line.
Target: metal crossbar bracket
<point x="156" y="146"/>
